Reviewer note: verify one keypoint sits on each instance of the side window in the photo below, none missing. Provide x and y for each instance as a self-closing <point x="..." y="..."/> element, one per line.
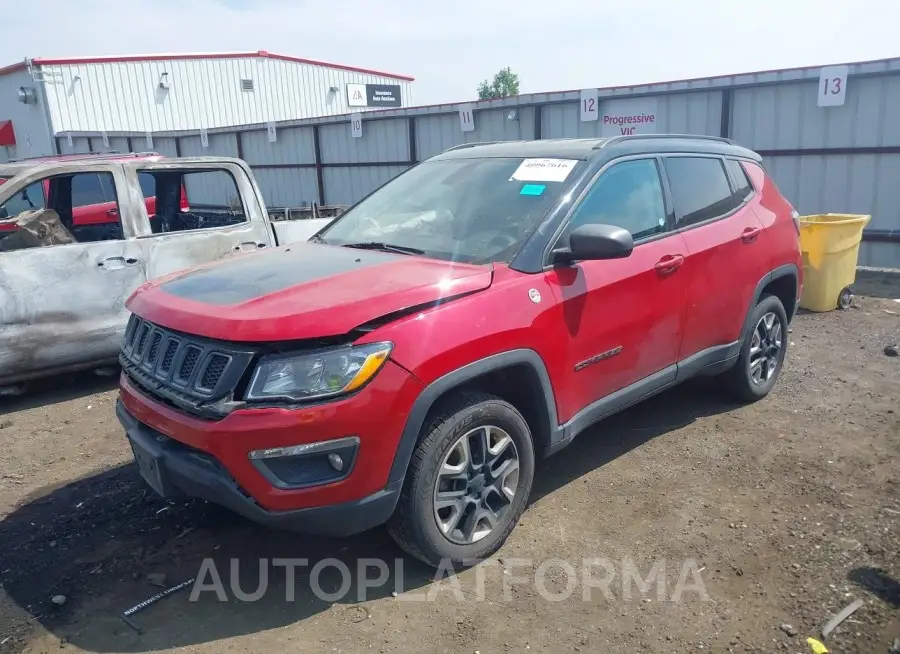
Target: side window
<point x="88" y="189"/>
<point x="628" y="195"/>
<point x="148" y="184"/>
<point x="187" y="201"/>
<point x="743" y="188"/>
<point x="29" y="198"/>
<point x="77" y="211"/>
<point x="700" y="189"/>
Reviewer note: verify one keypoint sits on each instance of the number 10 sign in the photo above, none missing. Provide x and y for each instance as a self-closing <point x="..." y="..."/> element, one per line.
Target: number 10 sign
<point x="833" y="86"/>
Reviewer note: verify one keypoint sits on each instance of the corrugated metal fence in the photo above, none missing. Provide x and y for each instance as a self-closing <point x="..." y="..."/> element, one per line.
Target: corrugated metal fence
<point x="825" y="159"/>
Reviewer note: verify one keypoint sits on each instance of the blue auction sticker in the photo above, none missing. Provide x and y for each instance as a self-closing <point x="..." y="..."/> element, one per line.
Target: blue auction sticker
<point x="532" y="189"/>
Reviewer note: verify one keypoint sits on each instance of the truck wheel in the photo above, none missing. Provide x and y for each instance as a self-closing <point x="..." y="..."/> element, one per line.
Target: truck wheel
<point x="468" y="482"/>
<point x="762" y="353"/>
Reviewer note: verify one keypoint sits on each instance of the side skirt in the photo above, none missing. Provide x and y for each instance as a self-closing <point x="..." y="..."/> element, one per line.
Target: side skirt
<point x="712" y="361"/>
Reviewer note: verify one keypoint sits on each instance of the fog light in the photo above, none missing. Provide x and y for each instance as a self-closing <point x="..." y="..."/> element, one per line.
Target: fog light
<point x="335" y="461"/>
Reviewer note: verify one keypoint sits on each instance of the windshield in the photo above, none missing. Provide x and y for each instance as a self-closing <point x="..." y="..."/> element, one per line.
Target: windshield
<point x="469" y="210"/>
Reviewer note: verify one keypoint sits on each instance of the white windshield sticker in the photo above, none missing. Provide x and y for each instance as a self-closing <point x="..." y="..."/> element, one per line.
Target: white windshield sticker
<point x="543" y="170"/>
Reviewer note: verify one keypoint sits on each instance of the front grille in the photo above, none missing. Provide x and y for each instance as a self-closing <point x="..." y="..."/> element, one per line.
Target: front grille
<point x="184" y="370"/>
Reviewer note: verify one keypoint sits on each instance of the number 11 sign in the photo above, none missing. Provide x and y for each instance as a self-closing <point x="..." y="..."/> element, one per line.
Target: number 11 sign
<point x="833" y="86"/>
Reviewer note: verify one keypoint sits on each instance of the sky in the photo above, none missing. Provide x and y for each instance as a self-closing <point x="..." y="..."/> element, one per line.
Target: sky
<point x="450" y="46"/>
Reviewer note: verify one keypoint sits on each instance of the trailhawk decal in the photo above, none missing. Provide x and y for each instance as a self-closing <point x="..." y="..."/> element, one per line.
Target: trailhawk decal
<point x="597" y="358"/>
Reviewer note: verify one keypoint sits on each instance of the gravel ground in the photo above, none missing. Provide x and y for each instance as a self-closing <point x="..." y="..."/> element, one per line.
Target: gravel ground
<point x="762" y="521"/>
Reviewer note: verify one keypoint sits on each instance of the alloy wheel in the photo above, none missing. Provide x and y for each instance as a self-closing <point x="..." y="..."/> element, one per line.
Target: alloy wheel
<point x="765" y="348"/>
<point x="476" y="484"/>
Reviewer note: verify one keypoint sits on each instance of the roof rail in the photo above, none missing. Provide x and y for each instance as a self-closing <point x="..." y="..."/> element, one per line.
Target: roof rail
<point x="703" y="137"/>
<point x="462" y="146"/>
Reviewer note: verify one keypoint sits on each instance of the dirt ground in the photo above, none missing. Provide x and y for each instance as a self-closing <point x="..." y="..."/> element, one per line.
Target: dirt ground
<point x="789" y="510"/>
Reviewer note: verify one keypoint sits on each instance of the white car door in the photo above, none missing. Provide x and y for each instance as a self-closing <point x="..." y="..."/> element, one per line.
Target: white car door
<point x="62" y="306"/>
<point x="215" y="213"/>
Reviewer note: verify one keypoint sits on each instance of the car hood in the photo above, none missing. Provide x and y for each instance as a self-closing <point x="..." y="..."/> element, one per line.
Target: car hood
<point x="299" y="291"/>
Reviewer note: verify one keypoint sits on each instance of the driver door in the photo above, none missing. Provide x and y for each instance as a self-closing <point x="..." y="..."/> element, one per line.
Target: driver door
<point x="623" y="319"/>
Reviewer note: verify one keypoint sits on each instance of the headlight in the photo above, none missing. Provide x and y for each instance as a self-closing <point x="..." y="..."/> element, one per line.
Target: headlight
<point x="318" y="374"/>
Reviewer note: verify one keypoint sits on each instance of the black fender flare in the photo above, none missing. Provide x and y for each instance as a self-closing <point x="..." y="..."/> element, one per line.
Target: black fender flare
<point x="787" y="270"/>
<point x="416" y="418"/>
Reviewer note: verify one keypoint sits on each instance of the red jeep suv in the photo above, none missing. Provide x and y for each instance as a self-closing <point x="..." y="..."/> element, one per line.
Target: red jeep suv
<point x="411" y="363"/>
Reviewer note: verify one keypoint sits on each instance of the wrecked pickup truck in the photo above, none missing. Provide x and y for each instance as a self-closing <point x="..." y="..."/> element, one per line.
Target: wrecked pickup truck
<point x="66" y="269"/>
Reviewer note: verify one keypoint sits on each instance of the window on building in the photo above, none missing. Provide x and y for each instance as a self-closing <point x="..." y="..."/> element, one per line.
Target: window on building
<point x="700" y="189"/>
<point x="628" y="195"/>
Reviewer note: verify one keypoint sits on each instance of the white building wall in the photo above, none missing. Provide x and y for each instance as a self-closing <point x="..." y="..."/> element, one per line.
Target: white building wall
<point x="33" y="137"/>
<point x="125" y="96"/>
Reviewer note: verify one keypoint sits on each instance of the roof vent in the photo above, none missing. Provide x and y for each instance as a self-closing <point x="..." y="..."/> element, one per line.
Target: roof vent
<point x="246" y="85"/>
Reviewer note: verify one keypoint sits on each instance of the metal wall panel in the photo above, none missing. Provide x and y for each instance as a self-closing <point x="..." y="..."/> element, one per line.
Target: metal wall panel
<point x="436" y="133"/>
<point x="381" y="140"/>
<point x="348" y="185"/>
<point x="287" y="187"/>
<point x="861" y="184"/>
<point x="681" y="113"/>
<point x="33" y="137"/>
<point x="293" y="145"/>
<point x="165" y="146"/>
<point x="220" y="145"/>
<point x="788" y="117"/>
<point x="80" y="145"/>
<point x="202" y="93"/>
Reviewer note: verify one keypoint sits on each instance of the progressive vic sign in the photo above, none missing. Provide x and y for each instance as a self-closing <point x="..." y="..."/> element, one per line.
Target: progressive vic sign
<point x="627" y="117"/>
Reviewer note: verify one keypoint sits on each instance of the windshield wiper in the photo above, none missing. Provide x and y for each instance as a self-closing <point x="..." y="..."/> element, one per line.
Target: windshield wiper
<point x="387" y="247"/>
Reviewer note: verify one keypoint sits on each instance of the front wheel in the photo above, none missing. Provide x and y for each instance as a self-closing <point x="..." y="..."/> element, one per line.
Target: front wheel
<point x="762" y="352"/>
<point x="468" y="482"/>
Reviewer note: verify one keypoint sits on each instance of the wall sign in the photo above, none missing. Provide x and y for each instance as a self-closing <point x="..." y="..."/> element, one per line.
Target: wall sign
<point x="356" y="125"/>
<point x="833" y="86"/>
<point x="204" y="138"/>
<point x="629" y="116"/>
<point x="590" y="105"/>
<point x="270" y="131"/>
<point x="467" y="118"/>
<point x="373" y="95"/>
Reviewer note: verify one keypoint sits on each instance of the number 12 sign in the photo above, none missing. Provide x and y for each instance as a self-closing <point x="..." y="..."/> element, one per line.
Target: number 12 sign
<point x="833" y="86"/>
<point x="590" y="109"/>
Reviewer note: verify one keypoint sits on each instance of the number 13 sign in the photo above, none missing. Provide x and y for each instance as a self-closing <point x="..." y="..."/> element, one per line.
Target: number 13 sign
<point x="833" y="86"/>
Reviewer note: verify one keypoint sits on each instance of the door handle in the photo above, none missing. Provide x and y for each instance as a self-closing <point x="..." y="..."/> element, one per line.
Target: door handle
<point x="669" y="264"/>
<point x="750" y="234"/>
<point x="114" y="263"/>
<point x="249" y="245"/>
<point x="112" y="212"/>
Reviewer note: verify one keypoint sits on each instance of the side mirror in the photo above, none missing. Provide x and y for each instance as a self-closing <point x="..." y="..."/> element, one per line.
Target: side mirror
<point x="592" y="242"/>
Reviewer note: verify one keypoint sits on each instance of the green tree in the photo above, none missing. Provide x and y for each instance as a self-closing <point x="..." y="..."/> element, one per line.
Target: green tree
<point x="505" y="84"/>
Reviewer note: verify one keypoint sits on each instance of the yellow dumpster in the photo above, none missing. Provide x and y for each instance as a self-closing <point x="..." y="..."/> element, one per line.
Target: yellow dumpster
<point x="830" y="246"/>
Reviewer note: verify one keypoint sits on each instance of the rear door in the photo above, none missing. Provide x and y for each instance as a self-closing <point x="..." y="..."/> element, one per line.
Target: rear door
<point x="221" y="215"/>
<point x="62" y="306"/>
<point x="725" y="259"/>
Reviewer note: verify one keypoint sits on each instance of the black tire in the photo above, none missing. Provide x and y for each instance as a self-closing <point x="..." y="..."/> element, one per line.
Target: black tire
<point x="414" y="526"/>
<point x="738" y="380"/>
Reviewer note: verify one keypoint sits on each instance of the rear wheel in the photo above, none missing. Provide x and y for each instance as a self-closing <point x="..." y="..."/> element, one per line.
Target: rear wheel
<point x="468" y="482"/>
<point x="762" y="353"/>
